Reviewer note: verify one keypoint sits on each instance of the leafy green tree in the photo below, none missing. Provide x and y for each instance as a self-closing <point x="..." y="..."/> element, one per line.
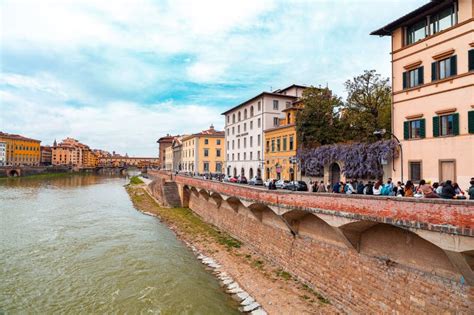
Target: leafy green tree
<point x="368" y="106"/>
<point x="317" y="122"/>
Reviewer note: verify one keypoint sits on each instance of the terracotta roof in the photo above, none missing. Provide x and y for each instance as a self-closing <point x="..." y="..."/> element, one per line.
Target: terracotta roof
<point x="211" y="132"/>
<point x="167" y="138"/>
<point x="430" y="7"/>
<point x="16" y="137"/>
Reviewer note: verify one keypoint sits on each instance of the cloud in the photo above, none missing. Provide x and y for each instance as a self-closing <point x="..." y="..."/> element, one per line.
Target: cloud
<point x="120" y="73"/>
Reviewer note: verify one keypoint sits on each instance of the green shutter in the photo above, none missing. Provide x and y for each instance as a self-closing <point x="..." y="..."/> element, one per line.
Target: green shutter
<point x="422" y="128"/>
<point x="405" y="81"/>
<point x="434" y="75"/>
<point x="406" y="132"/>
<point x="456" y="124"/>
<point x="471" y="59"/>
<point x="421" y="73"/>
<point x="470" y="121"/>
<point x="454" y="63"/>
<point x="436" y="126"/>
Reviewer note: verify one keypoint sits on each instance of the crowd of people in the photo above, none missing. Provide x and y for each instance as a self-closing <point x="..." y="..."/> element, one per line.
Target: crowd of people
<point x="445" y="190"/>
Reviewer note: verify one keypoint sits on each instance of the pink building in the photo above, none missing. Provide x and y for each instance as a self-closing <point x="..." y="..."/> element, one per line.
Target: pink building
<point x="433" y="91"/>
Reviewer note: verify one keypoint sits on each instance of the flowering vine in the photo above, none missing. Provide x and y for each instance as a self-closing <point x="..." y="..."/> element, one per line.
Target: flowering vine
<point x="360" y="160"/>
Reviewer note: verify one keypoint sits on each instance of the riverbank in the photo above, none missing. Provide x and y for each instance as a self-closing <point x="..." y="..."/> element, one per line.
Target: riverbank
<point x="41" y="176"/>
<point x="277" y="291"/>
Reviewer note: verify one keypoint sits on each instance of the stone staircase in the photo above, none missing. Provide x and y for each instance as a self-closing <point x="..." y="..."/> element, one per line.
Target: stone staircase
<point x="171" y="194"/>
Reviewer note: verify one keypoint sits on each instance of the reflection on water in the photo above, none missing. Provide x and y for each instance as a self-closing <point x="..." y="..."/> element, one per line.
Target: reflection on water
<point x="76" y="245"/>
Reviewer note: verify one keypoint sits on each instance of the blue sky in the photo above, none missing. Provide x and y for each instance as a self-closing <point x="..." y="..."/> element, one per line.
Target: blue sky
<point x="119" y="74"/>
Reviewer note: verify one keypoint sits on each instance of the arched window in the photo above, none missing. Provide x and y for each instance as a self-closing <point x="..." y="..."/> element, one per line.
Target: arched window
<point x="240" y="117"/>
<point x="245" y="113"/>
<point x="233" y="118"/>
<point x="251" y="111"/>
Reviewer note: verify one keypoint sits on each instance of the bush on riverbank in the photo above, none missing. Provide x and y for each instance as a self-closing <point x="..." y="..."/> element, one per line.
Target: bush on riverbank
<point x="135" y="180"/>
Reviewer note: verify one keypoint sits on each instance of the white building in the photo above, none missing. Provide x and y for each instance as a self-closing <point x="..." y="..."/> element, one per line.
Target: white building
<point x="244" y="126"/>
<point x="3" y="153"/>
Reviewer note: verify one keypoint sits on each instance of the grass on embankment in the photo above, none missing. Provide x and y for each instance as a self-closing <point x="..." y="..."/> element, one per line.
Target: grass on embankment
<point x="135" y="180"/>
<point x="183" y="218"/>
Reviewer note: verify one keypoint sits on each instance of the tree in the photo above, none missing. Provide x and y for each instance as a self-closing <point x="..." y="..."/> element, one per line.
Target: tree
<point x="368" y="106"/>
<point x="317" y="122"/>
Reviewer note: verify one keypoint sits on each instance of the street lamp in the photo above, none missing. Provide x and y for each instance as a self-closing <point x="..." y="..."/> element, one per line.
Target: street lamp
<point x="379" y="134"/>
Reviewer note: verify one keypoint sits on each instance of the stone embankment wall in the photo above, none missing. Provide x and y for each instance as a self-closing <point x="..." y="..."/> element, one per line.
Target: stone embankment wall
<point x="376" y="263"/>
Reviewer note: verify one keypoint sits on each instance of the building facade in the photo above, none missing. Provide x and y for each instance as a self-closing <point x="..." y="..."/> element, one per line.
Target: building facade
<point x="280" y="148"/>
<point x="169" y="158"/>
<point x="204" y="152"/>
<point x="433" y="91"/>
<point x="245" y="125"/>
<point x="177" y="146"/>
<point x="46" y="157"/>
<point x="163" y="143"/>
<point x="21" y="150"/>
<point x="70" y="152"/>
<point x="3" y="153"/>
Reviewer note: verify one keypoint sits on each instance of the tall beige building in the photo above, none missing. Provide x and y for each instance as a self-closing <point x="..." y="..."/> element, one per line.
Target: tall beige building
<point x="433" y="91"/>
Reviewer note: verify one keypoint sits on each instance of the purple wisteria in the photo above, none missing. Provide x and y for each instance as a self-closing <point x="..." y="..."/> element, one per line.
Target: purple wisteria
<point x="359" y="160"/>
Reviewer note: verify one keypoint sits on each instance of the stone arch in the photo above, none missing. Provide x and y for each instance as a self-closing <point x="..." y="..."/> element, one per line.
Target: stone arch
<point x="242" y="171"/>
<point x="204" y="194"/>
<point x="334" y="173"/>
<point x="267" y="216"/>
<point x="396" y="245"/>
<point x="251" y="173"/>
<point x="234" y="203"/>
<point x="217" y="198"/>
<point x="235" y="171"/>
<point x="195" y="191"/>
<point x="13" y="173"/>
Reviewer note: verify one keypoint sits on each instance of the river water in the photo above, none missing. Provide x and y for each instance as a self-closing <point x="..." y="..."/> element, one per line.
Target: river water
<point x="76" y="245"/>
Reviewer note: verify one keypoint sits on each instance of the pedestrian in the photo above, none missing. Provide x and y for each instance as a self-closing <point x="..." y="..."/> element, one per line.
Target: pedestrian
<point x="448" y="191"/>
<point x="378" y="188"/>
<point x="336" y="187"/>
<point x="348" y="188"/>
<point x="399" y="190"/>
<point x="458" y="191"/>
<point x="470" y="192"/>
<point x="409" y="189"/>
<point x="321" y="187"/>
<point x="360" y="187"/>
<point x="426" y="190"/>
<point x="369" y="188"/>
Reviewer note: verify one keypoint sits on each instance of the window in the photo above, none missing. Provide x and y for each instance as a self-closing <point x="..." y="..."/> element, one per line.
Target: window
<point x="416" y="32"/>
<point x="218" y="141"/>
<point x="245" y="127"/>
<point x="245" y="113"/>
<point x="275" y="121"/>
<point x="240" y="117"/>
<point x="238" y="143"/>
<point x="238" y="129"/>
<point x="444" y="68"/>
<point x="238" y="156"/>
<point x="233" y="157"/>
<point x="415" y="171"/>
<point x="245" y="156"/>
<point x="218" y="152"/>
<point x="258" y="123"/>
<point x="288" y="104"/>
<point x="413" y="78"/>
<point x="206" y="152"/>
<point x="251" y="111"/>
<point x="259" y="105"/>
<point x="206" y="166"/>
<point x="233" y="118"/>
<point x="218" y="167"/>
<point x="206" y="141"/>
<point x="291" y="143"/>
<point x="275" y="104"/>
<point x="251" y="155"/>
<point x="233" y="143"/>
<point x="284" y="143"/>
<point x="258" y="155"/>
<point x="442" y="20"/>
<point x="268" y="145"/>
<point x="251" y="141"/>
<point x="446" y="125"/>
<point x="258" y="140"/>
<point x="273" y="145"/>
<point x="251" y="124"/>
<point x="233" y="130"/>
<point x="278" y="145"/>
<point x="245" y="143"/>
<point x="414" y="129"/>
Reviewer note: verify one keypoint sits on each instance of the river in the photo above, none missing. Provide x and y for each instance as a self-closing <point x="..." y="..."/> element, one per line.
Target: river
<point x="76" y="245"/>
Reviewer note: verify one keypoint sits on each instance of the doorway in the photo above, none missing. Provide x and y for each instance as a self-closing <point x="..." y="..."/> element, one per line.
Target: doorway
<point x="447" y="170"/>
<point x="334" y="173"/>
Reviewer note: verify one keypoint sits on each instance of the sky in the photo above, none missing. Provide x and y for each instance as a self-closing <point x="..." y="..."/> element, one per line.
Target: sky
<point x="117" y="75"/>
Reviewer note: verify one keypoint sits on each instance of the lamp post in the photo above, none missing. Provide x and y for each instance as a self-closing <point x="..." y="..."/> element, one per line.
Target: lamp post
<point x="379" y="133"/>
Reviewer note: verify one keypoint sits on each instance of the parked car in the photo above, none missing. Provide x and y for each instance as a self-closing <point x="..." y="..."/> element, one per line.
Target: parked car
<point x="233" y="180"/>
<point x="267" y="182"/>
<point x="226" y="178"/>
<point x="242" y="180"/>
<point x="257" y="181"/>
<point x="281" y="184"/>
<point x="297" y="186"/>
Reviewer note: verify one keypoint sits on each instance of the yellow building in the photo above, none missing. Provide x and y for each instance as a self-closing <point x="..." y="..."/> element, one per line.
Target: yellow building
<point x="169" y="158"/>
<point x="203" y="152"/>
<point x="21" y="150"/>
<point x="280" y="147"/>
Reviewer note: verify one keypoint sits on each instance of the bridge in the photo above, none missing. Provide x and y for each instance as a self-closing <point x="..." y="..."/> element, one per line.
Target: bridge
<point x="363" y="249"/>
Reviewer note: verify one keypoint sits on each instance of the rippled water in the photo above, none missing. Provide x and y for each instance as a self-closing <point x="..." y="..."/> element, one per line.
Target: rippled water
<point x="77" y="245"/>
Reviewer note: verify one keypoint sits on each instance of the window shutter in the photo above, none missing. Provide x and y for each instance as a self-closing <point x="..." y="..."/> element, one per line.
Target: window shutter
<point x="405" y="81"/>
<point x="454" y="63"/>
<point x="471" y="59"/>
<point x="456" y="124"/>
<point x="470" y="121"/>
<point x="406" y="132"/>
<point x="436" y="126"/>
<point x="434" y="75"/>
<point x="422" y="128"/>
<point x="421" y="74"/>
